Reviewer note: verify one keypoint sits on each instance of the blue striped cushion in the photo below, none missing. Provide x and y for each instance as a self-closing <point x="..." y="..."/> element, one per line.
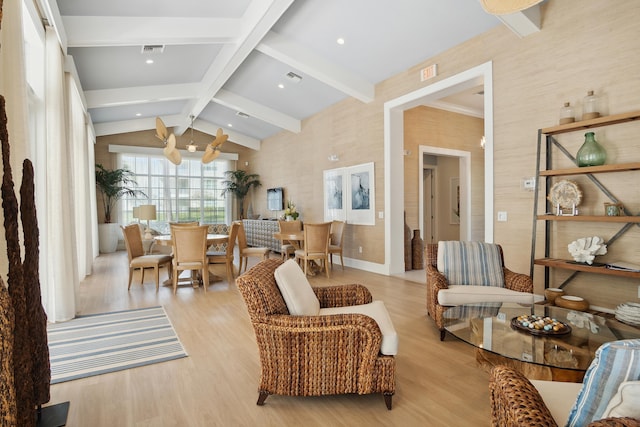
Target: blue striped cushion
<point x="614" y="362"/>
<point x="470" y="263"/>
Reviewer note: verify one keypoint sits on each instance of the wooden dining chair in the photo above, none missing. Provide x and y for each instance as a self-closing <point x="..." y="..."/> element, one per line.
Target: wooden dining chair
<point x="226" y="256"/>
<point x="335" y="241"/>
<point x="190" y="252"/>
<point x="137" y="257"/>
<point x="287" y="249"/>
<point x="316" y="245"/>
<point x="245" y="251"/>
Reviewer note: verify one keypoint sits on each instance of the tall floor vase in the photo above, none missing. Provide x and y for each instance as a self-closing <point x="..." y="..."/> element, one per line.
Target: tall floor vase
<point x="417" y="251"/>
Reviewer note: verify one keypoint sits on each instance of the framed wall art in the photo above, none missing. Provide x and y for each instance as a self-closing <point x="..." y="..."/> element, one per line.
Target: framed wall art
<point x="361" y="194"/>
<point x="334" y="195"/>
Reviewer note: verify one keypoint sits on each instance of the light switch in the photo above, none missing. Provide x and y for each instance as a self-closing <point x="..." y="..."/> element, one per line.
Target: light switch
<point x="381" y="214"/>
<point x="502" y="216"/>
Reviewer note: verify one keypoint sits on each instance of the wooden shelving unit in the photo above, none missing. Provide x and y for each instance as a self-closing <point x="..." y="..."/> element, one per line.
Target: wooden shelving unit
<point x="628" y="222"/>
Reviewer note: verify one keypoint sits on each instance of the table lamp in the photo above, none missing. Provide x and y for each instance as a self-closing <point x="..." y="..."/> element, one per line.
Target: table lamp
<point x="147" y="212"/>
<point x="136" y="214"/>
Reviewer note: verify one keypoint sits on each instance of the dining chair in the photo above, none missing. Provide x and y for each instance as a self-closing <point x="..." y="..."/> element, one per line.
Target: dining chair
<point x="226" y="256"/>
<point x="316" y="245"/>
<point x="137" y="257"/>
<point x="335" y="242"/>
<point x="245" y="251"/>
<point x="287" y="249"/>
<point x="190" y="252"/>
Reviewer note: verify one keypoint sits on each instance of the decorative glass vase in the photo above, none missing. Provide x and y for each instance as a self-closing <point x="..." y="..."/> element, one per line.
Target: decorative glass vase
<point x="590" y="108"/>
<point x="566" y="114"/>
<point x="591" y="153"/>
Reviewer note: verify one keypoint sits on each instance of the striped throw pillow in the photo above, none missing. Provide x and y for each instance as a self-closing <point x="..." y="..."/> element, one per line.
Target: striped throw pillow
<point x="614" y="363"/>
<point x="470" y="263"/>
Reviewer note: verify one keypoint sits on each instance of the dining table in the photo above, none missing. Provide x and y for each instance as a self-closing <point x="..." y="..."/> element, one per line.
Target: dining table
<point x="212" y="239"/>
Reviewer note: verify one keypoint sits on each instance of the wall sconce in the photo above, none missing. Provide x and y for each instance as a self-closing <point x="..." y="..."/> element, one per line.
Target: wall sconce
<point x="333" y="158"/>
<point x="483" y="142"/>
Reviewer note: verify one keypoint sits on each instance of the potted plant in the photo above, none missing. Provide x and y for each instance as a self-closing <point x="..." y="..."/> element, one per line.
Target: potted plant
<point x="113" y="184"/>
<point x="239" y="183"/>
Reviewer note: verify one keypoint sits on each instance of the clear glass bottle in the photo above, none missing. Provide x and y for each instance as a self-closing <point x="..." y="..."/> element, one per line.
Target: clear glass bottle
<point x="566" y="114"/>
<point x="590" y="106"/>
<point x="591" y="153"/>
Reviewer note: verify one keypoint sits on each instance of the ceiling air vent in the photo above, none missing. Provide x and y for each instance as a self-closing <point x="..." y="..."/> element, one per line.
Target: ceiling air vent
<point x="152" y="48"/>
<point x="241" y="114"/>
<point x="294" y="77"/>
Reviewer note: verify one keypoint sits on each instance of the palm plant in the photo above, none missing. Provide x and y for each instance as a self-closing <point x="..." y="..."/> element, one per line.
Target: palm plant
<point x="239" y="183"/>
<point x="114" y="184"/>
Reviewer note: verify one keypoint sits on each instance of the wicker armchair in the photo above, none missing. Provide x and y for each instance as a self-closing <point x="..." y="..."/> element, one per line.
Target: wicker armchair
<point x="515" y="402"/>
<point x="309" y="355"/>
<point x="436" y="281"/>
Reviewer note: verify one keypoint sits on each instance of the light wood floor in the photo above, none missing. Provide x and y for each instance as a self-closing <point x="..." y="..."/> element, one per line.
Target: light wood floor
<point x="438" y="383"/>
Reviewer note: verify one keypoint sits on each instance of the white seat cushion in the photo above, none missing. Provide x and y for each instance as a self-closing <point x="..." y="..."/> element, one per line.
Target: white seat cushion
<point x="469" y="294"/>
<point x="296" y="290"/>
<point x="378" y="312"/>
<point x="558" y="397"/>
<point x="626" y="402"/>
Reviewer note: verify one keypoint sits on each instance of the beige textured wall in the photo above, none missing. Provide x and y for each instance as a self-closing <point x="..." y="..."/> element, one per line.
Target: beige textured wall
<point x="584" y="45"/>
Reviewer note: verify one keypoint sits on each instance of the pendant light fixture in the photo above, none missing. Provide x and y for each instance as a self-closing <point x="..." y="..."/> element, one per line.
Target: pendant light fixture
<point x="192" y="147"/>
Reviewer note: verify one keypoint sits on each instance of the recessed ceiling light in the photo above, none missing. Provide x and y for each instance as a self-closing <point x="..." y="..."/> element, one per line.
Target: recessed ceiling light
<point x="280" y="85"/>
<point x="340" y="41"/>
<point x="149" y="61"/>
<point x="138" y="114"/>
<point x="230" y="125"/>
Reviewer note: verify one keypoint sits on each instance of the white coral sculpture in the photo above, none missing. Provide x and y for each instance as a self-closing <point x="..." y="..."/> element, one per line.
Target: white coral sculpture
<point x="586" y="249"/>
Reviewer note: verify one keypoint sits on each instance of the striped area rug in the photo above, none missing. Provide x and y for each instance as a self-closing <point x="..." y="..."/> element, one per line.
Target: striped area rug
<point x="100" y="343"/>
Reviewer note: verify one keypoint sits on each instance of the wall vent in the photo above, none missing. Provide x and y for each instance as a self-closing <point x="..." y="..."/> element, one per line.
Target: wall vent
<point x="152" y="48"/>
<point x="294" y="77"/>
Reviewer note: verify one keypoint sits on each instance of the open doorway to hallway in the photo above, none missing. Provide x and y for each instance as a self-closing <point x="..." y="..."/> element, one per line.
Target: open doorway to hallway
<point x="394" y="139"/>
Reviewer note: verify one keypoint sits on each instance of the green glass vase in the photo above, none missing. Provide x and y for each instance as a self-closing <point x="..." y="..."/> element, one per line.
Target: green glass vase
<point x="591" y="153"/>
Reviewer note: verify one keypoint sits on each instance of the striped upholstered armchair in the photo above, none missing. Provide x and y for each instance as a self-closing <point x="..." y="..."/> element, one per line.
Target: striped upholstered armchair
<point x="470" y="272"/>
<point x="336" y="351"/>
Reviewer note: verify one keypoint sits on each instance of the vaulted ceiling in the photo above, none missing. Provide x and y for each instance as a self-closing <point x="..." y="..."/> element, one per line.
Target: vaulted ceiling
<point x="251" y="67"/>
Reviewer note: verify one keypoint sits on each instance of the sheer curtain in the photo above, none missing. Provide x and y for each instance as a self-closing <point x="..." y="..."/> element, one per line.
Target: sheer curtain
<point x="61" y="265"/>
<point x="80" y="146"/>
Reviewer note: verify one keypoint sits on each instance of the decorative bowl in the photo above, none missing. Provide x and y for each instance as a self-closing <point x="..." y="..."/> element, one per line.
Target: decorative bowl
<point x="550" y="294"/>
<point x="572" y="302"/>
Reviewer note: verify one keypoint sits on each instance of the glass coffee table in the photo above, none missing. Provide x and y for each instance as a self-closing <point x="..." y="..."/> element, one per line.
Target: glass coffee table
<point x="558" y="356"/>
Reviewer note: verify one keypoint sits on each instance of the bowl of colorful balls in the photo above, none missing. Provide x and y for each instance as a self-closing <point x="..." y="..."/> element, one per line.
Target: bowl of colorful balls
<point x="539" y="325"/>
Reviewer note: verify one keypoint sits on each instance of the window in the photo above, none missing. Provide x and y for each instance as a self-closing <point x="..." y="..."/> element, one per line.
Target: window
<point x="191" y="191"/>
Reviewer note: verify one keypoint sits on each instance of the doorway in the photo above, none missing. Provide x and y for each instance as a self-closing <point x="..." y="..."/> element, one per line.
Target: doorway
<point x="393" y="158"/>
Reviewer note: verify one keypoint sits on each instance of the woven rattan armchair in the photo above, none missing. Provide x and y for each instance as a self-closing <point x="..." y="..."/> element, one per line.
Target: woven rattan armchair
<point x="315" y="355"/>
<point x="436" y="281"/>
<point x="515" y="402"/>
